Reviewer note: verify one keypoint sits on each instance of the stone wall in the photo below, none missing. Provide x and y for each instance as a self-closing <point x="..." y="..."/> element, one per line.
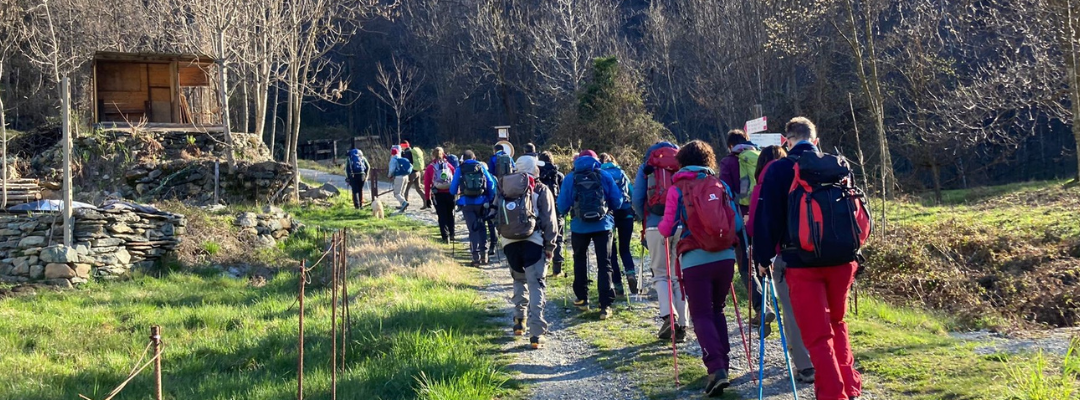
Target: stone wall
<point x="108" y="244"/>
<point x="268" y="228"/>
<point x="193" y="181"/>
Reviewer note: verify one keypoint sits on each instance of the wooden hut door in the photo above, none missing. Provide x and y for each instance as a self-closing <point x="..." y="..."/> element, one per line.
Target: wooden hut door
<point x="160" y="93"/>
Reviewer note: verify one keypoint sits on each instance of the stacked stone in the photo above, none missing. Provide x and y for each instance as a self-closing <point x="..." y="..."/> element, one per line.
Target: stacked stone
<point x="194" y="180"/>
<point x="108" y="244"/>
<point x="267" y="228"/>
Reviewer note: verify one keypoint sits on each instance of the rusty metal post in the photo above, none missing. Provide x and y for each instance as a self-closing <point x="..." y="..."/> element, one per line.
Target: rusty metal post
<point x="300" y="345"/>
<point x="335" y="265"/>
<point x="155" y="336"/>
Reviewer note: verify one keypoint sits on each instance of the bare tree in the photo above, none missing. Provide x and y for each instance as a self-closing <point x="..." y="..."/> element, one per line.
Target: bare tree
<point x="398" y="88"/>
<point x="9" y="38"/>
<point x="220" y="19"/>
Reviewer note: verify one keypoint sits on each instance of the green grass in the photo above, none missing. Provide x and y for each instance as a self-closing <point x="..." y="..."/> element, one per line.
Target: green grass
<point x="320" y="166"/>
<point x="426" y="334"/>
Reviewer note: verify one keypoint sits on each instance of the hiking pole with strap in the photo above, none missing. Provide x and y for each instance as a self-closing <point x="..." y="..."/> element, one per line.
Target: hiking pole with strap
<point x="761" y="350"/>
<point x="671" y="307"/>
<point x="783" y="337"/>
<point x="742" y="332"/>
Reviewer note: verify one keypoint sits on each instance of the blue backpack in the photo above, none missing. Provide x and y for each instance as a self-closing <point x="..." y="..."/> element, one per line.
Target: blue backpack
<point x="356" y="164"/>
<point x="403" y="168"/>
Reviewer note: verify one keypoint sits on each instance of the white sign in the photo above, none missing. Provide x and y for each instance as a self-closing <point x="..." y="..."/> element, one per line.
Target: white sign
<point x="756" y="125"/>
<point x="504" y="132"/>
<point x="763" y="140"/>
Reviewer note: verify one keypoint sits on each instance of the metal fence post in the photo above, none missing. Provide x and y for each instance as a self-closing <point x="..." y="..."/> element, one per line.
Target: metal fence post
<point x="300" y="345"/>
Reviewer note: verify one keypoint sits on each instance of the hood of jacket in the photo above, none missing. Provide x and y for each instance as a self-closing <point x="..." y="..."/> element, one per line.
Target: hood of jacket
<point x="469" y="162"/>
<point x="610" y="167"/>
<point x="691" y="173"/>
<point x="659" y="145"/>
<point x="744" y="147"/>
<point x="586" y="163"/>
<point x="356" y="153"/>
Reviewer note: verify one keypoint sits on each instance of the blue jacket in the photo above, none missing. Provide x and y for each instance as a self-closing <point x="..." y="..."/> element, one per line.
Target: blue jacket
<point x="463" y="200"/>
<point x="770" y="220"/>
<point x="617" y="174"/>
<point x="641" y="189"/>
<point x="611" y="194"/>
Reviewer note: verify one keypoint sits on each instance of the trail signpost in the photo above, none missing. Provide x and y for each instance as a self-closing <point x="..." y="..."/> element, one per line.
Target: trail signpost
<point x="763" y="140"/>
<point x="756" y="125"/>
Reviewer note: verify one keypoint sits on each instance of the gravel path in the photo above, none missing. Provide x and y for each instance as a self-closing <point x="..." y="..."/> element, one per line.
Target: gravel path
<point x="567" y="367"/>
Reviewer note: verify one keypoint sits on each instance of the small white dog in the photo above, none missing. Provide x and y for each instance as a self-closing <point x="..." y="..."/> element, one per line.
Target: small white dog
<point x="377" y="209"/>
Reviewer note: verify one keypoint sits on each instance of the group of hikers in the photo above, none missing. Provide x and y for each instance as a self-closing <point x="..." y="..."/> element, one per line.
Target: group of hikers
<point x="789" y="218"/>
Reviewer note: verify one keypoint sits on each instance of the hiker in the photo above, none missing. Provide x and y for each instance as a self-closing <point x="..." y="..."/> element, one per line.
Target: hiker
<point x="623" y="231"/>
<point x="553" y="179"/>
<point x="477" y="189"/>
<point x="818" y="278"/>
<point x="804" y="369"/>
<point x="705" y="208"/>
<point x="526" y="220"/>
<point x="742" y="157"/>
<point x="651" y="184"/>
<point x="400" y="168"/>
<point x="591" y="193"/>
<point x="530" y="150"/>
<point x="453" y="160"/>
<point x="501" y="163"/>
<point x="416" y="157"/>
<point x="437" y="180"/>
<point x="356" y="172"/>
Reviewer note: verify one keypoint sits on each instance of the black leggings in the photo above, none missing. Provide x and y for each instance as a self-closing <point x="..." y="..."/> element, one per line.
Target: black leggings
<point x="620" y="247"/>
<point x="444" y="208"/>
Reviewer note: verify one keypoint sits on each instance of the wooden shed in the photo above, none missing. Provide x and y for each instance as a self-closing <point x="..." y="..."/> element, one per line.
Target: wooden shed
<point x="154" y="89"/>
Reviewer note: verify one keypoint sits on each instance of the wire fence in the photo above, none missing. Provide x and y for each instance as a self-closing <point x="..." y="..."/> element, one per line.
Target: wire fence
<point x="334" y="270"/>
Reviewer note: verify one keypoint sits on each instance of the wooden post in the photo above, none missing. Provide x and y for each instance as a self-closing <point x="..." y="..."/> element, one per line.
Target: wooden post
<point x="65" y="113"/>
<point x="373" y="178"/>
<point x="155" y="336"/>
<point x="300" y="344"/>
<point x="345" y="293"/>
<point x="335" y="264"/>
<point x="217" y="181"/>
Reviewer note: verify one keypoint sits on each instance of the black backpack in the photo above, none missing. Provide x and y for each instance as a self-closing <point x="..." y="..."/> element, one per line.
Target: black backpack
<point x="473" y="180"/>
<point x="590" y="204"/>
<point x="549" y="176"/>
<point x="828" y="217"/>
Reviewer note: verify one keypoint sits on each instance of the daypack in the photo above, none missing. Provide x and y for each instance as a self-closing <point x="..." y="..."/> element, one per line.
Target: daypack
<point x="407" y="154"/>
<point x="828" y="217"/>
<point x="356" y="165"/>
<point x="403" y="167"/>
<point x="549" y="176"/>
<point x="590" y="204"/>
<point x="621" y="181"/>
<point x="504" y="165"/>
<point x="443" y="177"/>
<point x="747" y="181"/>
<point x="664" y="165"/>
<point x="707" y="214"/>
<point x="517" y="213"/>
<point x="473" y="179"/>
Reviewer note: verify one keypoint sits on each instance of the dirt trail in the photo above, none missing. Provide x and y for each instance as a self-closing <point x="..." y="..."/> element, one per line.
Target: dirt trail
<point x="567" y="367"/>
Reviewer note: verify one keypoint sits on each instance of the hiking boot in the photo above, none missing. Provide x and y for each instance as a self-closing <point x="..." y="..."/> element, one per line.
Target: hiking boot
<point x="475" y="264"/>
<point x="755" y="323"/>
<point x="484" y="260"/>
<point x="556" y="270"/>
<point x="519" y="326"/>
<point x="536" y="342"/>
<point x="665" y="328"/>
<point x="620" y="294"/>
<point x="631" y="281"/>
<point x="582" y="305"/>
<point x="403" y="207"/>
<point x="491" y="251"/>
<point x="680" y="334"/>
<point x="605" y="313"/>
<point x="717" y="383"/>
<point x="805" y="376"/>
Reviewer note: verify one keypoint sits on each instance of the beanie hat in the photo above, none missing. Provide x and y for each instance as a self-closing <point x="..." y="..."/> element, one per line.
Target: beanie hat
<point x="529" y="164"/>
<point x="588" y="153"/>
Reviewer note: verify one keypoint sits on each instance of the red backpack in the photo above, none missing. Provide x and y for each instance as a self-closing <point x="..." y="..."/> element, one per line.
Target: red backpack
<point x="664" y="165"/>
<point x="708" y="216"/>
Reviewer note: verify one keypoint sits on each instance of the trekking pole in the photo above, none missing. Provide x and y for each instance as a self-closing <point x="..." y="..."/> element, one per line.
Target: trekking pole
<point x="742" y="332"/>
<point x="761" y="351"/>
<point x="671" y="306"/>
<point x="855" y="292"/>
<point x="783" y="337"/>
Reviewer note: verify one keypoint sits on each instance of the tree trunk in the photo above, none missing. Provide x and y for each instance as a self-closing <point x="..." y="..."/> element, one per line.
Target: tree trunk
<point x="273" y="122"/>
<point x="223" y="93"/>
<point x="3" y="147"/>
<point x="244" y="109"/>
<point x="935" y="170"/>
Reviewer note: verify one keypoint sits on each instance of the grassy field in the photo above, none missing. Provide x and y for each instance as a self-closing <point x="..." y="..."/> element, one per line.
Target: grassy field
<point x="419" y="329"/>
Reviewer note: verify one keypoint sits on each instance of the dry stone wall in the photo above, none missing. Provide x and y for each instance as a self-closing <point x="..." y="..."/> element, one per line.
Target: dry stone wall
<point x="108" y="244"/>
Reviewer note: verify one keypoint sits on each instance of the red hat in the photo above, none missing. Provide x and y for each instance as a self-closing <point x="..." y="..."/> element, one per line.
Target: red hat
<point x="588" y="153"/>
<point x="404" y="144"/>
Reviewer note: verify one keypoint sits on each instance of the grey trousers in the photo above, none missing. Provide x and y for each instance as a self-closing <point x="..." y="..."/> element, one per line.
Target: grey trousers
<point x="799" y="355"/>
<point x="659" y="265"/>
<point x="528" y="268"/>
